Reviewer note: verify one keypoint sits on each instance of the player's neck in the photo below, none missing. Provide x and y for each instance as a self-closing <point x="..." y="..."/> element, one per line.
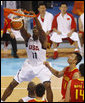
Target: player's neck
<point x="39" y="98"/>
<point x="63" y="14"/>
<point x="42" y="15"/>
<point x="31" y="96"/>
<point x="72" y="66"/>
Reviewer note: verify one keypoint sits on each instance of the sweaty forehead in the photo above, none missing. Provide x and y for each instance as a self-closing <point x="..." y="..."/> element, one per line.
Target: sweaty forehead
<point x="42" y="6"/>
<point x="63" y="5"/>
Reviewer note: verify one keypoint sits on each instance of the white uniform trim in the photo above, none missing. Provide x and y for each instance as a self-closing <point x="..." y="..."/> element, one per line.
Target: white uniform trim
<point x="26" y="99"/>
<point x="46" y="25"/>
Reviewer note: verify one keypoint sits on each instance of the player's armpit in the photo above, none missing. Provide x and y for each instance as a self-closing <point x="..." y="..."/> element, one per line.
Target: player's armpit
<point x="67" y="96"/>
<point x="76" y="76"/>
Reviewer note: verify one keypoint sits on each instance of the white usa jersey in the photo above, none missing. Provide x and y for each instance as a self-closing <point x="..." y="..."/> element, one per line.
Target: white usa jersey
<point x="36" y="55"/>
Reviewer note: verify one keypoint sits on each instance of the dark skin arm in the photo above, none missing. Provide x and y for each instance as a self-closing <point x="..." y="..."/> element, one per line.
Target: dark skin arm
<point x="54" y="72"/>
<point x="24" y="33"/>
<point x="42" y="34"/>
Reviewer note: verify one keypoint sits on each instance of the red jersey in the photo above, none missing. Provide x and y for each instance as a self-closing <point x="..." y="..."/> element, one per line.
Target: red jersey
<point x="77" y="90"/>
<point x="35" y="100"/>
<point x="68" y="75"/>
<point x="6" y="25"/>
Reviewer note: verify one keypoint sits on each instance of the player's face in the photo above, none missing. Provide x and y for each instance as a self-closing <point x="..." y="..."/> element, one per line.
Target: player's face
<point x="72" y="59"/>
<point x="42" y="9"/>
<point x="63" y="8"/>
<point x="35" y="34"/>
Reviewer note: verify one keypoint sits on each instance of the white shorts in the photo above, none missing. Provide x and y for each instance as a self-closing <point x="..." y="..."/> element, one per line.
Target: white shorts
<point x="58" y="38"/>
<point x="28" y="72"/>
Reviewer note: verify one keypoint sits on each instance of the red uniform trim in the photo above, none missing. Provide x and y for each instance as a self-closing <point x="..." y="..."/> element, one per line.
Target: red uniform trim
<point x="35" y="100"/>
<point x="37" y="17"/>
<point x="54" y="23"/>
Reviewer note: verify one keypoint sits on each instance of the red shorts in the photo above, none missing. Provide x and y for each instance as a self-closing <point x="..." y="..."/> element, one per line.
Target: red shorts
<point x="70" y="40"/>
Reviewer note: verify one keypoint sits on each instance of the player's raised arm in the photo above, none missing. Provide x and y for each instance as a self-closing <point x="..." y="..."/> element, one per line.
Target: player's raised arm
<point x="42" y="34"/>
<point x="24" y="33"/>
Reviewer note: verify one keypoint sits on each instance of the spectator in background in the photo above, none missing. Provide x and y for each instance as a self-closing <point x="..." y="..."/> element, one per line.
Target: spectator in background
<point x="39" y="93"/>
<point x="64" y="27"/>
<point x="81" y="32"/>
<point x="78" y="7"/>
<point x="75" y="88"/>
<point x="9" y="36"/>
<point x="45" y="19"/>
<point x="31" y="94"/>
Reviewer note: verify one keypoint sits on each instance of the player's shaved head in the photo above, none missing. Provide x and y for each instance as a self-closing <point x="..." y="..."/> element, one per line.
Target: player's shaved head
<point x="31" y="88"/>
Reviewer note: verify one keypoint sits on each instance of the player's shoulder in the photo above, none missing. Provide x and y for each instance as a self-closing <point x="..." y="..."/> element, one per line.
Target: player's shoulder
<point x="69" y="14"/>
<point x="66" y="68"/>
<point x="50" y="14"/>
<point x="57" y="15"/>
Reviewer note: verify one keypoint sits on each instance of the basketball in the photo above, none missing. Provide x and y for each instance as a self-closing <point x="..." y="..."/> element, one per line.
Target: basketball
<point x="16" y="24"/>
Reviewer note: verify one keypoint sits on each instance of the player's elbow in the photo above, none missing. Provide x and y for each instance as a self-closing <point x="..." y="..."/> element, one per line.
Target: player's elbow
<point x="57" y="74"/>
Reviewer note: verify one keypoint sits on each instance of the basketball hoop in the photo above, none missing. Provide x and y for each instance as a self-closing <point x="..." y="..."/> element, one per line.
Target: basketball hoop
<point x="17" y="16"/>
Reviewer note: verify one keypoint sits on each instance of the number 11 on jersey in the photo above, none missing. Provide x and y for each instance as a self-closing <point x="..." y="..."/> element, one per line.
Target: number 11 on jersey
<point x="34" y="55"/>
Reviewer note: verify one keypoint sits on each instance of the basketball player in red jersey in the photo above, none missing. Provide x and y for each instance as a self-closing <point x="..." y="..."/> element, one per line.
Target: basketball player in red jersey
<point x="68" y="73"/>
<point x="33" y="66"/>
<point x="75" y="88"/>
<point x="39" y="93"/>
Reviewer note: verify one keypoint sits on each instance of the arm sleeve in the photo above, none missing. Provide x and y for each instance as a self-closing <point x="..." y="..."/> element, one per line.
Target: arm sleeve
<point x="73" y="23"/>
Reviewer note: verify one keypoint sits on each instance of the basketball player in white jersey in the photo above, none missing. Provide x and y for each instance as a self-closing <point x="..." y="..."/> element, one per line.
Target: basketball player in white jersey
<point x="33" y="66"/>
